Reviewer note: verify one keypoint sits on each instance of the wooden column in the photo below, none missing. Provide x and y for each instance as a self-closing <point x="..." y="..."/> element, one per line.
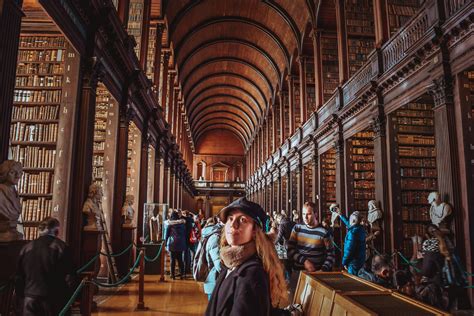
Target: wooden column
<point x="157" y="180"/>
<point x="274" y="128"/>
<point x="315" y="180"/>
<point x="303" y="96"/>
<point x="143" y="181"/>
<point x="288" y="190"/>
<point x="340" y="173"/>
<point x="120" y="186"/>
<point x="343" y="57"/>
<point x="83" y="141"/>
<point x="166" y="176"/>
<point x="291" y="102"/>
<point x="123" y="10"/>
<point x="299" y="187"/>
<point x="164" y="85"/>
<point x="171" y="99"/>
<point x="447" y="160"/>
<point x="145" y="33"/>
<point x="282" y="118"/>
<point x="279" y="193"/>
<point x="382" y="27"/>
<point x="10" y="24"/>
<point x="171" y="186"/>
<point x="160" y="28"/>
<point x="383" y="243"/>
<point x="318" y="68"/>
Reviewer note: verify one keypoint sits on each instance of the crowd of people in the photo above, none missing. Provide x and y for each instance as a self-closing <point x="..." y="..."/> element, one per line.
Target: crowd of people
<point x="249" y="262"/>
<point x="434" y="275"/>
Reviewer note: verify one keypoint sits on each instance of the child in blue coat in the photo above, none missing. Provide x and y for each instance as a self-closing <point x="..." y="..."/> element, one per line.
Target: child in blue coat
<point x="354" y="243"/>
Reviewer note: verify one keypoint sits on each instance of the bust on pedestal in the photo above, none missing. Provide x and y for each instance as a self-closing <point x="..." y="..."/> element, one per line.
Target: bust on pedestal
<point x="10" y="206"/>
<point x="92" y="208"/>
<point x="439" y="210"/>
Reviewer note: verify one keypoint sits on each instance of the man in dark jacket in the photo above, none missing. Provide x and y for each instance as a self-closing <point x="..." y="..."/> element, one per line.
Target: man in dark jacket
<point x="45" y="271"/>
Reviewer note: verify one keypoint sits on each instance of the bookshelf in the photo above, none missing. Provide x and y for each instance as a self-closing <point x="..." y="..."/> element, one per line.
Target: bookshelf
<point x="286" y="113"/>
<point x="470" y="77"/>
<point x="294" y="192"/>
<point x="275" y="197"/>
<point x="150" y="174"/>
<point x="330" y="66"/>
<point x="308" y="182"/>
<point x="284" y="196"/>
<point x="135" y="20"/>
<point x="310" y="85"/>
<point x="150" y="60"/>
<point x="413" y="127"/>
<point x="328" y="181"/>
<point x="105" y="142"/>
<point x="41" y="121"/>
<point x="361" y="171"/>
<point x="360" y="32"/>
<point x="133" y="164"/>
<point x="400" y="11"/>
<point x="297" y="104"/>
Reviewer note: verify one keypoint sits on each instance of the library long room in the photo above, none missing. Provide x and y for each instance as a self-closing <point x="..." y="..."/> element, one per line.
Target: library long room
<point x="225" y="157"/>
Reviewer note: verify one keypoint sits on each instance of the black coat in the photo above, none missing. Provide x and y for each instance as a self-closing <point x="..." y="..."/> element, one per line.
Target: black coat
<point x="45" y="269"/>
<point x="246" y="291"/>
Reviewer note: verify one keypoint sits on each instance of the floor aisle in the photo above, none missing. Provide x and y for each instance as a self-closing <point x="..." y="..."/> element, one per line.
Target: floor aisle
<point x="162" y="298"/>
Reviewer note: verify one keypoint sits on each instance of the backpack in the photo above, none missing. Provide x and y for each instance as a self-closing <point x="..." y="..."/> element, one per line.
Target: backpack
<point x="200" y="264"/>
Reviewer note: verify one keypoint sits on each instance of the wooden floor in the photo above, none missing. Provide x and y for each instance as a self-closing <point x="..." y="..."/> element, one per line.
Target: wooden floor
<point x="179" y="297"/>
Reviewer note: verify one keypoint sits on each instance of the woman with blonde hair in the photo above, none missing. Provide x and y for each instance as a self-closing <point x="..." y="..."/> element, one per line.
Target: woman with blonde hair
<point x="252" y="281"/>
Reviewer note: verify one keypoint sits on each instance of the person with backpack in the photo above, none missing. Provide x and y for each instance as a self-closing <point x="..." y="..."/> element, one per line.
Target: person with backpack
<point x="207" y="262"/>
<point x="175" y="239"/>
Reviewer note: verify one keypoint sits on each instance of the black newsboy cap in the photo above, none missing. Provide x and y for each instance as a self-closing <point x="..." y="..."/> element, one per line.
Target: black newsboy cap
<point x="254" y="210"/>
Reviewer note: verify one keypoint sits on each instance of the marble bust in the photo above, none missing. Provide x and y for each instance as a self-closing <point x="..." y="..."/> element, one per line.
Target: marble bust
<point x="10" y="206"/>
<point x="374" y="214"/>
<point x="127" y="210"/>
<point x="93" y="207"/>
<point x="334" y="209"/>
<point x="439" y="210"/>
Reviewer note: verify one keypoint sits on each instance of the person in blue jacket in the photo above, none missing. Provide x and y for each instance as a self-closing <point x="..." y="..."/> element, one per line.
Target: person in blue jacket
<point x="354" y="243"/>
<point x="212" y="231"/>
<point x="175" y="239"/>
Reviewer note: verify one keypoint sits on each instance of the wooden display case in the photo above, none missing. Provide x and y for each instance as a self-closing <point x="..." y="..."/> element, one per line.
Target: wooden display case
<point x="339" y="293"/>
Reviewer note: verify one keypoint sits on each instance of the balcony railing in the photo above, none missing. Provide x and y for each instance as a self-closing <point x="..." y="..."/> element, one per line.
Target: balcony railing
<point x="199" y="184"/>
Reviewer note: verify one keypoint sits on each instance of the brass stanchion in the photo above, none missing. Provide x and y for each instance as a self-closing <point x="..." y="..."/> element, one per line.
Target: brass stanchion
<point x="141" y="282"/>
<point x="162" y="262"/>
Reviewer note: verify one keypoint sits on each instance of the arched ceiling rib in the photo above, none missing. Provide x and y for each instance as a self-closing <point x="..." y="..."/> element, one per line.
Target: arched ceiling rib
<point x="231" y="56"/>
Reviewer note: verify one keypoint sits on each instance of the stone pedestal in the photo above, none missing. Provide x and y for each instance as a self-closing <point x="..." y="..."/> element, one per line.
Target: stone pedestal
<point x="124" y="262"/>
<point x="152" y="267"/>
<point x="91" y="245"/>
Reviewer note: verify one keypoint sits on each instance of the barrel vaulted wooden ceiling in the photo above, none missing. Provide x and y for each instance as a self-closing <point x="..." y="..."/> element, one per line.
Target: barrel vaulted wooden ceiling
<point x="231" y="57"/>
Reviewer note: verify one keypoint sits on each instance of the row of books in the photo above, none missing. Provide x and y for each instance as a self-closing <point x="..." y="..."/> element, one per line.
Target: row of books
<point x="363" y="195"/>
<point x="417" y="162"/>
<point x="98" y="160"/>
<point x="364" y="175"/>
<point x="412" y="229"/>
<point x="39" y="69"/>
<point x="38" y="81"/>
<point x="362" y="150"/>
<point x="367" y="166"/>
<point x="416" y="197"/>
<point x="363" y="158"/>
<point x="364" y="184"/>
<point x="36" y="209"/>
<point x="100" y="124"/>
<point x="415" y="140"/>
<point x="30" y="233"/>
<point x="418" y="172"/>
<point x="47" y="55"/>
<point x="97" y="172"/>
<point x="99" y="145"/>
<point x="34" y="156"/>
<point x="417" y="213"/>
<point x="42" y="112"/>
<point x="43" y="96"/>
<point x="35" y="183"/>
<point x="23" y="132"/>
<point x="406" y="151"/>
<point x="415" y="121"/>
<point x="42" y="41"/>
<point x="419" y="184"/>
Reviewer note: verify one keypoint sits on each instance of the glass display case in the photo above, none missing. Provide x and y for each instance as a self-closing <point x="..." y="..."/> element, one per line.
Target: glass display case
<point x="154" y="216"/>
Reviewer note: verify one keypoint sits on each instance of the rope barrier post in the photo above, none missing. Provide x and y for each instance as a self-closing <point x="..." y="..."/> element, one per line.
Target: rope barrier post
<point x="87" y="294"/>
<point x="141" y="282"/>
<point x="162" y="263"/>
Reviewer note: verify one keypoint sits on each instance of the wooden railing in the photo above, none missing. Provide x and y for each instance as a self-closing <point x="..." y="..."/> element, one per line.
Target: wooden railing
<point x="453" y="6"/>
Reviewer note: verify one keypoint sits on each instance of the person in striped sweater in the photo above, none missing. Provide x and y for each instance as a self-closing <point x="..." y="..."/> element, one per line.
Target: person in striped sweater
<point x="310" y="245"/>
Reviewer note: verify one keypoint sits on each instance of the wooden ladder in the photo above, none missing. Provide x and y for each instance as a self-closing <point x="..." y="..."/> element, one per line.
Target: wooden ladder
<point x="112" y="267"/>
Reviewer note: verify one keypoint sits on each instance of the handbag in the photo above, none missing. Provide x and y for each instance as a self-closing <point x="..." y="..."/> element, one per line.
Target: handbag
<point x="193" y="237"/>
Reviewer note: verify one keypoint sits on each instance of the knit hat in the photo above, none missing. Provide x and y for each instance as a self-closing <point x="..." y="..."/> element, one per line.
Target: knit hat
<point x="251" y="209"/>
<point x="430" y="245"/>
